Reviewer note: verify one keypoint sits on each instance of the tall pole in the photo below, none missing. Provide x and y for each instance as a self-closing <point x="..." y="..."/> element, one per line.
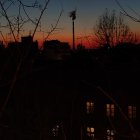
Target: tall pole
<point x="73" y="16"/>
<point x="73" y="35"/>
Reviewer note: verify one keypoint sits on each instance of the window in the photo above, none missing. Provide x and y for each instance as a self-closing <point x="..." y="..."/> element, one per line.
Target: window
<point x="110" y="134"/>
<point x="132" y="112"/>
<point x="90" y="132"/>
<point x="55" y="130"/>
<point x="110" y="110"/>
<point x="89" y="107"/>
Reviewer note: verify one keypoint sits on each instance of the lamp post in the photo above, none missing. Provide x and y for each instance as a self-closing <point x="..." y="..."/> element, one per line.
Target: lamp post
<point x="73" y="16"/>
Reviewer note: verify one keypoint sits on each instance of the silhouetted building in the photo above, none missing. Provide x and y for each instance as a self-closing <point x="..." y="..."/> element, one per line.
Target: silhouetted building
<point x="56" y="50"/>
<point x="28" y="44"/>
<point x="76" y="100"/>
<point x="27" y="40"/>
<point x="24" y="52"/>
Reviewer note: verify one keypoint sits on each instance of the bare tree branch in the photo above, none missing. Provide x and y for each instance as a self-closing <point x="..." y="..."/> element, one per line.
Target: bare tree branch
<point x="124" y="12"/>
<point x="54" y="27"/>
<point x="23" y="6"/>
<point x="22" y="58"/>
<point x="43" y="10"/>
<point x="9" y="22"/>
<point x="111" y="30"/>
<point x="106" y="94"/>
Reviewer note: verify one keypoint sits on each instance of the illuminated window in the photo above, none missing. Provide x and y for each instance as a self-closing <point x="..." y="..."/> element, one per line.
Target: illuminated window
<point x="110" y="110"/>
<point x="90" y="132"/>
<point x="132" y="112"/>
<point x="89" y="107"/>
<point x="55" y="131"/>
<point x="110" y="134"/>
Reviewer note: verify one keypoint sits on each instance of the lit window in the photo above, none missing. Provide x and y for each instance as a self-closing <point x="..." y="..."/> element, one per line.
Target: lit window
<point x="110" y="110"/>
<point x="89" y="107"/>
<point x="110" y="134"/>
<point x="132" y="112"/>
<point x="90" y="132"/>
<point x="55" y="131"/>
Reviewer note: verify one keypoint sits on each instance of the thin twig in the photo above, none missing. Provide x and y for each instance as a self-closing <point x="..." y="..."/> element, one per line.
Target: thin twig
<point x="55" y="26"/>
<point x="9" y="22"/>
<point x="42" y="12"/>
<point x="20" y="60"/>
<point x="117" y="105"/>
<point x="124" y="12"/>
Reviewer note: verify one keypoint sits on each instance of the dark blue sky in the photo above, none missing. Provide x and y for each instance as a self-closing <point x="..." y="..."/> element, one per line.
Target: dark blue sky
<point x="88" y="12"/>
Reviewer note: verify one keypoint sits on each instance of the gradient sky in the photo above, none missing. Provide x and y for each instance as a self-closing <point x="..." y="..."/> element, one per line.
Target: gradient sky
<point x="88" y="12"/>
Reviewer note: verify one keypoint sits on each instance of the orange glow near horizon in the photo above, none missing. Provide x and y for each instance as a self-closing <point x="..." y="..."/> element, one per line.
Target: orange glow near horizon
<point x="87" y="41"/>
<point x="86" y="16"/>
<point x="65" y="38"/>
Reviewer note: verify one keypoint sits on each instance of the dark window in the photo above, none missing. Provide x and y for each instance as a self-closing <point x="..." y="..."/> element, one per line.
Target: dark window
<point x="132" y="111"/>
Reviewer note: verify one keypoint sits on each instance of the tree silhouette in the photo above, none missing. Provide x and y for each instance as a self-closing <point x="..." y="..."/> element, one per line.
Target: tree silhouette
<point x="111" y="30"/>
<point x="14" y="25"/>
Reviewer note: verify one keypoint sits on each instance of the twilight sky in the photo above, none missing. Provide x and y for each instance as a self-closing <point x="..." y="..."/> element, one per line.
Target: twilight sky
<point x="88" y="12"/>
